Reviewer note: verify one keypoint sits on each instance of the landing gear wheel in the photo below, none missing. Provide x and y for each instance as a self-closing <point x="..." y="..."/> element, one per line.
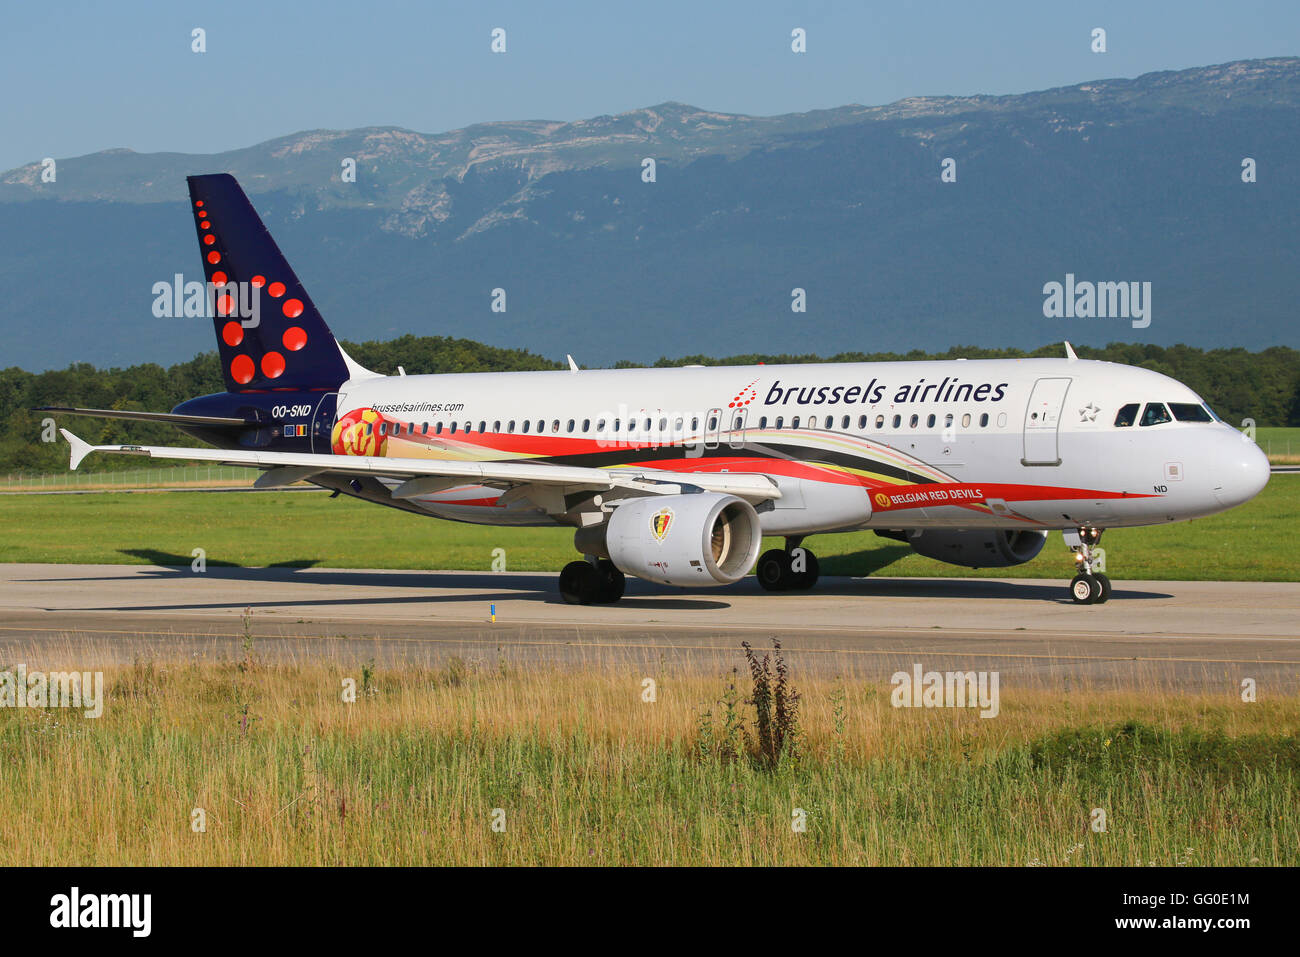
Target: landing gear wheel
<point x="773" y="570"/>
<point x="1105" y="588"/>
<point x="804" y="580"/>
<point x="1085" y="589"/>
<point x="612" y="582"/>
<point x="580" y="583"/>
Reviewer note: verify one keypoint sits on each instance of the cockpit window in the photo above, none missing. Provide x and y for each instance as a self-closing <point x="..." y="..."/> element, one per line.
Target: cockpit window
<point x="1127" y="415"/>
<point x="1189" y="412"/>
<point x="1155" y="414"/>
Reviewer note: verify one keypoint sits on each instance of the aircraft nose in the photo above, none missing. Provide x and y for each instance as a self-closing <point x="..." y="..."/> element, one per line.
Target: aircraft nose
<point x="1241" y="471"/>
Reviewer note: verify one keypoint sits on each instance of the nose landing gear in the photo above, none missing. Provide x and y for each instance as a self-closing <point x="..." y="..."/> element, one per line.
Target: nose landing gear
<point x="1087" y="587"/>
<point x="794" y="569"/>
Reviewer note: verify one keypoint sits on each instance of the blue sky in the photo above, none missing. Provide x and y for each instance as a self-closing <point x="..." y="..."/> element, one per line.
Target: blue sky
<point x="90" y="76"/>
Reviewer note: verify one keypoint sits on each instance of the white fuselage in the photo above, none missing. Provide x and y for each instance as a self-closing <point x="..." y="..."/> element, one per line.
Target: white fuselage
<point x="1010" y="443"/>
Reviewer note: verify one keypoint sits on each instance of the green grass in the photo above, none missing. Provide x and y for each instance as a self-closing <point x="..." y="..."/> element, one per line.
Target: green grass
<point x="1250" y="543"/>
<point x="1280" y="444"/>
<point x="587" y="773"/>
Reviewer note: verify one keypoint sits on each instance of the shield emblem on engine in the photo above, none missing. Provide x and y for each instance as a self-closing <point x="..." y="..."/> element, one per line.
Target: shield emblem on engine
<point x="660" y="522"/>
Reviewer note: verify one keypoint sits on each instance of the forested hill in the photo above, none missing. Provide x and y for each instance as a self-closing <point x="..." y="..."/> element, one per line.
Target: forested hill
<point x="1264" y="386"/>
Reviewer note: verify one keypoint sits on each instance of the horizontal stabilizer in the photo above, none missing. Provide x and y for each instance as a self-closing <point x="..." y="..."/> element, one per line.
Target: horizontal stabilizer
<point x="171" y="417"/>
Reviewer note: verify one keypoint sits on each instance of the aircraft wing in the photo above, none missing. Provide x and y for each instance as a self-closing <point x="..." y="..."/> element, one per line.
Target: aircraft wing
<point x="544" y="484"/>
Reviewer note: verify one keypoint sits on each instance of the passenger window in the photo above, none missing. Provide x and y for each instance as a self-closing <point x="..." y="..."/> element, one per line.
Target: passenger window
<point x="370" y="427"/>
<point x="496" y="427"/>
<point x="762" y="421"/>
<point x="1189" y="412"/>
<point x="569" y="426"/>
<point x="898" y="420"/>
<point x="677" y="426"/>
<point x="510" y="426"/>
<point x="844" y="423"/>
<point x="830" y="422"/>
<point x="965" y="421"/>
<point x="600" y="425"/>
<point x="586" y="425"/>
<point x="929" y="421"/>
<point x="794" y="422"/>
<point x="437" y="428"/>
<point x="1155" y="414"/>
<point x="617" y="423"/>
<point x="482" y="427"/>
<point x="1127" y="415"/>
<point x="525" y="427"/>
<point x="451" y="428"/>
<point x="880" y="421"/>
<point x="862" y="422"/>
<point x="916" y="419"/>
<point x="713" y="422"/>
<point x="947" y="420"/>
<point x="695" y="424"/>
<point x="780" y="421"/>
<point x="424" y="428"/>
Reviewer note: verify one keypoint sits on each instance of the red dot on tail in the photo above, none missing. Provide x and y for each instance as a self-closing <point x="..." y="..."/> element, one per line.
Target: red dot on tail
<point x="214" y="257"/>
<point x="241" y="369"/>
<point x="232" y="333"/>
<point x="272" y="365"/>
<point x="276" y="289"/>
<point x="218" y="278"/>
<point x="199" y="204"/>
<point x="209" y="239"/>
<point x="226" y="304"/>
<point x="205" y="225"/>
<point x="258" y="281"/>
<point x="203" y="215"/>
<point x="293" y="308"/>
<point x="294" y="338"/>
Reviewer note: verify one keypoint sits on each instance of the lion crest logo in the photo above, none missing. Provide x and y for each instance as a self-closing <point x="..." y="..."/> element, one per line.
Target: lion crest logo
<point x="660" y="522"/>
<point x="883" y="500"/>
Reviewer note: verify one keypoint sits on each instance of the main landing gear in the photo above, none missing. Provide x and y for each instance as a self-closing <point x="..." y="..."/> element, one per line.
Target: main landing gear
<point x="1087" y="587"/>
<point x="794" y="569"/>
<point x="591" y="582"/>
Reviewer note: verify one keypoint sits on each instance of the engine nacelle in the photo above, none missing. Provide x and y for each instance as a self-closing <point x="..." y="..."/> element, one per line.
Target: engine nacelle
<point x="992" y="548"/>
<point x="696" y="540"/>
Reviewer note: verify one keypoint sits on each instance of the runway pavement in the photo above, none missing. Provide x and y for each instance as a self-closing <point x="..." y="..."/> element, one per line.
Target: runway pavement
<point x="1202" y="635"/>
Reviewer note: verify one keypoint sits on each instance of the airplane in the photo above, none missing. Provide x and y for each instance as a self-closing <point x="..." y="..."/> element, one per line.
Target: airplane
<point x="674" y="475"/>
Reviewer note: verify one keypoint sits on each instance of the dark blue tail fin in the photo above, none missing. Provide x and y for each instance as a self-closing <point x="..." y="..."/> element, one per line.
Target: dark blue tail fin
<point x="288" y="346"/>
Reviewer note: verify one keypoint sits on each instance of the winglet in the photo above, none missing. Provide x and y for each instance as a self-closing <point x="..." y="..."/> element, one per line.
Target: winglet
<point x="1069" y="353"/>
<point x="80" y="449"/>
<point x="573" y="366"/>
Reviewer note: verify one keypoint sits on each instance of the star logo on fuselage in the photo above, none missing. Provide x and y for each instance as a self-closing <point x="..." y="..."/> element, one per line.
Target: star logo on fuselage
<point x="1088" y="413"/>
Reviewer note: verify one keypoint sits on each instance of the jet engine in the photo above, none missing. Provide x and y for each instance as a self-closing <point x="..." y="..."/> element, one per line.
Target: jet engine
<point x="697" y="540"/>
<point x="994" y="548"/>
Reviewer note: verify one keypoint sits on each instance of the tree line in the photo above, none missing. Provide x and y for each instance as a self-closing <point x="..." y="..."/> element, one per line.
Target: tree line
<point x="1238" y="384"/>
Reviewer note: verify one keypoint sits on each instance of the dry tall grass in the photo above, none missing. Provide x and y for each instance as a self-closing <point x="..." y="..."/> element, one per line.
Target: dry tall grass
<point x="581" y="770"/>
